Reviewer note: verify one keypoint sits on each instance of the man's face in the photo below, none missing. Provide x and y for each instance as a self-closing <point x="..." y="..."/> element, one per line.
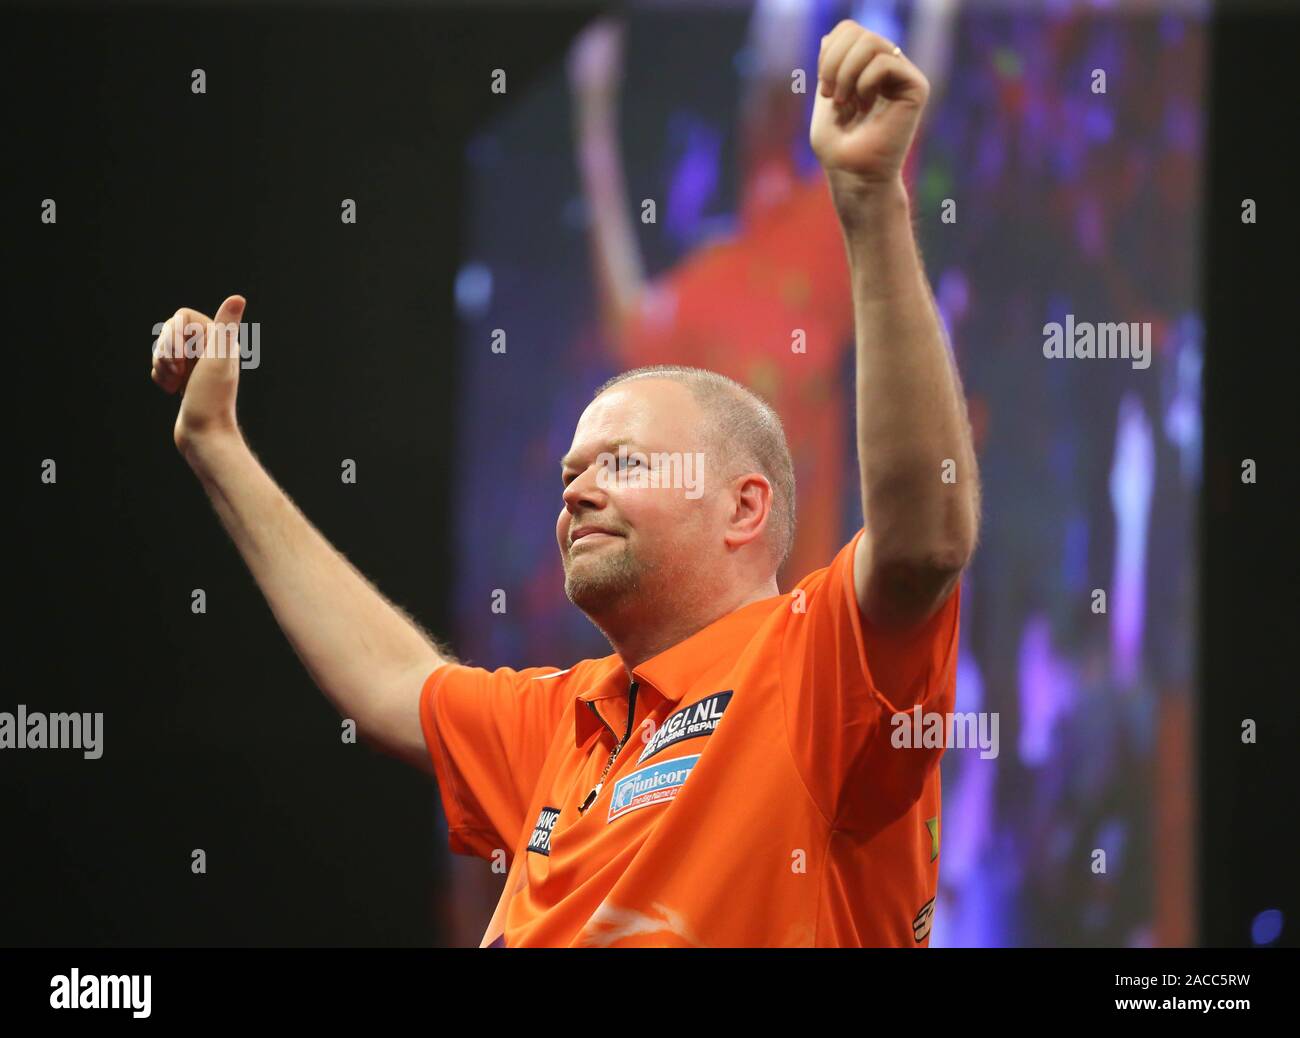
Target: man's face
<point x="625" y="543"/>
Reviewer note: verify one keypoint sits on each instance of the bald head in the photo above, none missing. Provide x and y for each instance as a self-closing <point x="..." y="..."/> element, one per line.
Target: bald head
<point x="745" y="435"/>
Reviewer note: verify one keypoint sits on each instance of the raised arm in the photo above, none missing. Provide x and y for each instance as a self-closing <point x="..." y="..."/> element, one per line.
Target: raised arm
<point x="920" y="487"/>
<point x="595" y="72"/>
<point x="367" y="656"/>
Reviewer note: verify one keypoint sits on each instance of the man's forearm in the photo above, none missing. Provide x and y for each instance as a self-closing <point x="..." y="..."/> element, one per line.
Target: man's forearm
<point x="911" y="415"/>
<point x="616" y="256"/>
<point x="361" y="650"/>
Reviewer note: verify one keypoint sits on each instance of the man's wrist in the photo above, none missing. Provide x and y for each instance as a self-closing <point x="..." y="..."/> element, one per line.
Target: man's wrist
<point x="861" y="201"/>
<point x="207" y="453"/>
<point x="598" y="104"/>
<point x="876" y="219"/>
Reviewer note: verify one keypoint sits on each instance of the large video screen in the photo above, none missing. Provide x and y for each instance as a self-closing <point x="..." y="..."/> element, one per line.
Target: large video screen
<point x="654" y="200"/>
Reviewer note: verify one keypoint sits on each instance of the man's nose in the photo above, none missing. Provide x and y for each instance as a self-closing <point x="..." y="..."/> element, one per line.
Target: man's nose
<point x="584" y="492"/>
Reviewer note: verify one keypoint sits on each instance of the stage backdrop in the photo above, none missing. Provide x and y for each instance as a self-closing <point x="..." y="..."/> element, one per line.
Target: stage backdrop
<point x="1057" y="179"/>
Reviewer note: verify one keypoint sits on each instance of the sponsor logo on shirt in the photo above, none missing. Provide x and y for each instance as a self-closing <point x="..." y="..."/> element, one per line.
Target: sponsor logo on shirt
<point x="921" y="924"/>
<point x="540" y="841"/>
<point x="654" y="784"/>
<point x="689" y="722"/>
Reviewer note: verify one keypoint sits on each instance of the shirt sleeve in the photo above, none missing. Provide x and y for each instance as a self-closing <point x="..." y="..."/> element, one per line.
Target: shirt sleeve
<point x="843" y="681"/>
<point x="488" y="733"/>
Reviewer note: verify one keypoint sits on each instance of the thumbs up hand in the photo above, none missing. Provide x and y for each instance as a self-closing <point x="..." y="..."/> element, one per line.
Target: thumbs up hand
<point x="198" y="357"/>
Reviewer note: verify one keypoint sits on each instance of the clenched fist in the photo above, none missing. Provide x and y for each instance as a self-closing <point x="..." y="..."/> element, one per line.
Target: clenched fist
<point x="869" y="102"/>
<point x="199" y="357"/>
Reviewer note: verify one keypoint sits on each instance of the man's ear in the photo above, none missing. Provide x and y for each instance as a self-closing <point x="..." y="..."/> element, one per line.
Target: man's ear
<point x="751" y="509"/>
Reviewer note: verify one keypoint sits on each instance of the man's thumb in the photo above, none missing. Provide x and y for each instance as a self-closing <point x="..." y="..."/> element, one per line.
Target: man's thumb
<point x="230" y="311"/>
<point x="226" y="327"/>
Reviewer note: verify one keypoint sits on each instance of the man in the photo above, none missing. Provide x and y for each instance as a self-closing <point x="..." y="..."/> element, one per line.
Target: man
<point x="729" y="774"/>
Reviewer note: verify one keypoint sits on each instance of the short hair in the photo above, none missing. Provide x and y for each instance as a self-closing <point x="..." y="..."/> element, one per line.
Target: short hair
<point x="746" y="429"/>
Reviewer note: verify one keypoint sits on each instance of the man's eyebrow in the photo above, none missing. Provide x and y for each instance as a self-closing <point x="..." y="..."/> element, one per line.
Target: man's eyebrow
<point x="612" y="445"/>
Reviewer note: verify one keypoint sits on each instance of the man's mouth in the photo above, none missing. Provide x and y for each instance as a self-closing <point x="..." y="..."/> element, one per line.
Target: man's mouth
<point x="589" y="534"/>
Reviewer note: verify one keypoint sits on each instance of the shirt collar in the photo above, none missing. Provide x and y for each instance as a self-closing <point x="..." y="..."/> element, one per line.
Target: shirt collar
<point x="672" y="671"/>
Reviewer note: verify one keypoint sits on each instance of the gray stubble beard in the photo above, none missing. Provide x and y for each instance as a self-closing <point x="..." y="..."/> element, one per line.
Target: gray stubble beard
<point x="609" y="583"/>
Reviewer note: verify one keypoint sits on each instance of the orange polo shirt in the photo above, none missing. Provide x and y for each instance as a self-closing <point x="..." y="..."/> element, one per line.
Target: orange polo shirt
<point x="759" y="801"/>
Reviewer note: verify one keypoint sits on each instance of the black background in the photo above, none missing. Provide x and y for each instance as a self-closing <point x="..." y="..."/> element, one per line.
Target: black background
<point x="215" y="736"/>
<point x="1250" y="795"/>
